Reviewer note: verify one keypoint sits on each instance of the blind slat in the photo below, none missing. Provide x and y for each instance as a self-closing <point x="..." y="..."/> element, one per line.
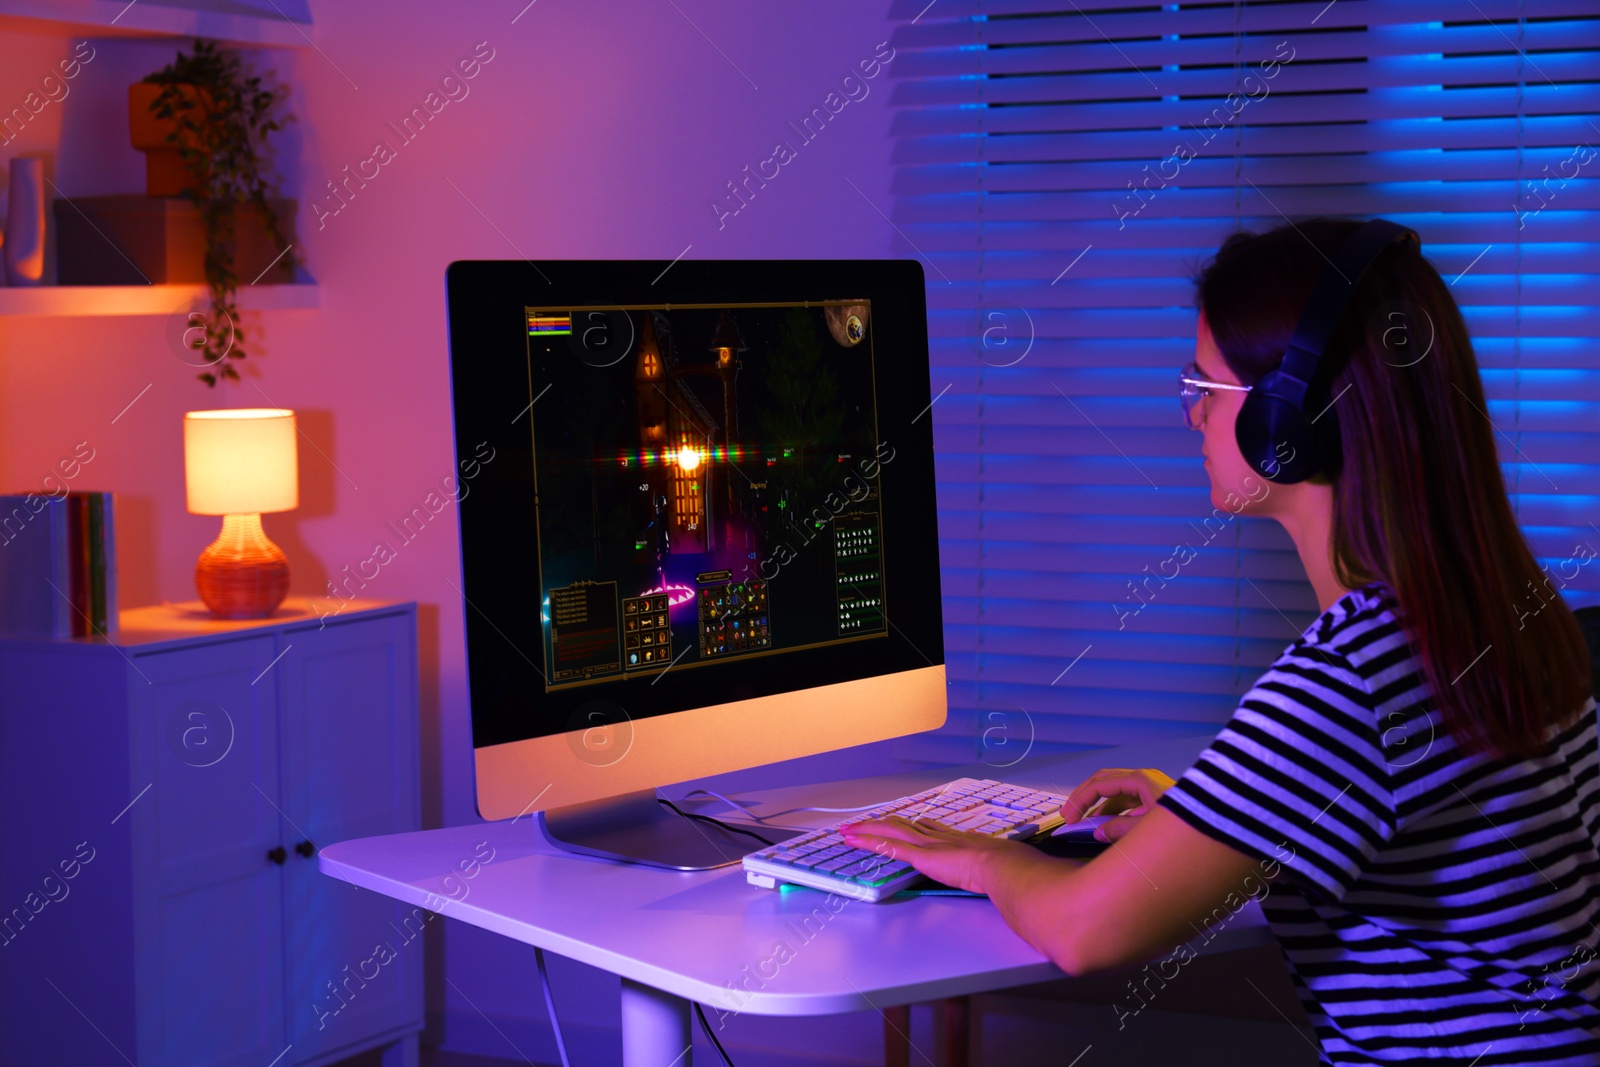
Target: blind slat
<point x="1032" y="153"/>
<point x="1276" y="140"/>
<point x="1098" y="54"/>
<point x="1208" y="87"/>
<point x="954" y="24"/>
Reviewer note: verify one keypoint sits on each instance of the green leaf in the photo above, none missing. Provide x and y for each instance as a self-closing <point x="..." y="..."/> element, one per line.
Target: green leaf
<point x="221" y="118"/>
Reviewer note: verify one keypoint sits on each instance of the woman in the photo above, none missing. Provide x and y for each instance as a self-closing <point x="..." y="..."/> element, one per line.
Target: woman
<point x="1412" y="789"/>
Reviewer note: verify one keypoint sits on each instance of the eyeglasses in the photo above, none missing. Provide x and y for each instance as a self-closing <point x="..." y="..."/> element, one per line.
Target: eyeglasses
<point x="1192" y="389"/>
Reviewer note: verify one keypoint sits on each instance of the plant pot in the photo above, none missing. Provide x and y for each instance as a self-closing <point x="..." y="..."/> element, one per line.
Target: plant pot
<point x="164" y="171"/>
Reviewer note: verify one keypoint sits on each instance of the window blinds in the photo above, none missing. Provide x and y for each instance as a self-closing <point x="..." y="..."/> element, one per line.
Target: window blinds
<point x="1062" y="168"/>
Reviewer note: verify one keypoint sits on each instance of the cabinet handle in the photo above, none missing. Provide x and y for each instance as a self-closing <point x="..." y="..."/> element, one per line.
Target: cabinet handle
<point x="306" y="849"/>
<point x="278" y="855"/>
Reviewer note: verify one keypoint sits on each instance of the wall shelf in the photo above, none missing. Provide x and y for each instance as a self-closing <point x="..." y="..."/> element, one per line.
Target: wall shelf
<point x="252" y="23"/>
<point x="73" y="301"/>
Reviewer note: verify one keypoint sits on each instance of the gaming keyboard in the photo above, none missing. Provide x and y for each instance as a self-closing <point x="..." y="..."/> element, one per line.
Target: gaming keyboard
<point x="821" y="859"/>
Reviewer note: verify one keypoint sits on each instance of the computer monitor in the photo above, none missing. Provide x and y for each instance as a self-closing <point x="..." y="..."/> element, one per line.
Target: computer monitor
<point x="698" y="531"/>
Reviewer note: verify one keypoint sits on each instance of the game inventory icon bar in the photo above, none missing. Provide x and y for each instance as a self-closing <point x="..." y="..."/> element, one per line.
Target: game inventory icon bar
<point x="858" y="574"/>
<point x="549" y="325"/>
<point x="646" y="634"/>
<point x="733" y="618"/>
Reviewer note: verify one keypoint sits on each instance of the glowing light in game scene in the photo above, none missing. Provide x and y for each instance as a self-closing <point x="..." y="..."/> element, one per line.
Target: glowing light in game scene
<point x="686" y="458"/>
<point x="676" y="594"/>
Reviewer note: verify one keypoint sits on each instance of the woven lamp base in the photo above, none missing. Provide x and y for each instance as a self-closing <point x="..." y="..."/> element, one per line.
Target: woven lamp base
<point x="242" y="574"/>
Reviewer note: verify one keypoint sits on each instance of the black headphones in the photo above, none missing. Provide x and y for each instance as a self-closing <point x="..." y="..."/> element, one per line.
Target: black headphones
<point x="1276" y="434"/>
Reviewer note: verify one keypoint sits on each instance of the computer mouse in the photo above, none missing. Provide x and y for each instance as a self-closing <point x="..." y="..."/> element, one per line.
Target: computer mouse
<point x="1083" y="830"/>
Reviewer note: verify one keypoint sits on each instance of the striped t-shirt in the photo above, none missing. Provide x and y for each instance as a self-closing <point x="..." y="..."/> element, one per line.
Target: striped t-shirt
<point x="1434" y="908"/>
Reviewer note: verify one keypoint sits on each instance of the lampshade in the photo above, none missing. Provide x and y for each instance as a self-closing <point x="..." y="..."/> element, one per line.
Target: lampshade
<point x="240" y="462"/>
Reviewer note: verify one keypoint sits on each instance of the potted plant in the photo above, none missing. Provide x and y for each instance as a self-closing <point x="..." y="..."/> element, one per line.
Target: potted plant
<point x="208" y="123"/>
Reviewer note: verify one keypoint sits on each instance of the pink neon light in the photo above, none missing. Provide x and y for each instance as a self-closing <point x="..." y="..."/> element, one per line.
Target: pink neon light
<point x="676" y="594"/>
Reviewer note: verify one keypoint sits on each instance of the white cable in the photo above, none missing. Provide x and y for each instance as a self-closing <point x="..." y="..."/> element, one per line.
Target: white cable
<point x="550" y="1006"/>
<point x="746" y="808"/>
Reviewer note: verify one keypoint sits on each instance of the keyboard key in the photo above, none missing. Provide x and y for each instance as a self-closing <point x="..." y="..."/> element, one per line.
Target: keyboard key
<point x="982" y="806"/>
<point x="883" y="874"/>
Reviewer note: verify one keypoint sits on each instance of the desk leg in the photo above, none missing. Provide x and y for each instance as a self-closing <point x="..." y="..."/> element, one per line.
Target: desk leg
<point x="897" y="1036"/>
<point x="655" y="1027"/>
<point x="955" y="1015"/>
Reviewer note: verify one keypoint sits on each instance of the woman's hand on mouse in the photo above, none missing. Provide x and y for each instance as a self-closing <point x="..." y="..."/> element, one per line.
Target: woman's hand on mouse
<point x="1127" y="793"/>
<point x="954" y="857"/>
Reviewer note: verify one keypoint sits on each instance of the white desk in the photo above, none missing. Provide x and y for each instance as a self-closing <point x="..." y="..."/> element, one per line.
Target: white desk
<point x="712" y="938"/>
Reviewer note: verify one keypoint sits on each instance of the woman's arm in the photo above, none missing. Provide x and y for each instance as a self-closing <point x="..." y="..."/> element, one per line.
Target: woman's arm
<point x="1160" y="885"/>
<point x="1157" y="887"/>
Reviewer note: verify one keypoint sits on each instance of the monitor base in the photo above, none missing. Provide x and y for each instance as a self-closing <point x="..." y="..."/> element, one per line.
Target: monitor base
<point x="637" y="828"/>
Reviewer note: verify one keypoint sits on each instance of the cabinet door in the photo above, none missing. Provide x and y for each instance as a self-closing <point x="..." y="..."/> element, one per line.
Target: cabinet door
<point x="209" y="956"/>
<point x="349" y="708"/>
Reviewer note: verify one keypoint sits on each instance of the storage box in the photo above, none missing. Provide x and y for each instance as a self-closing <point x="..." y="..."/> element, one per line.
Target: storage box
<point x="132" y="240"/>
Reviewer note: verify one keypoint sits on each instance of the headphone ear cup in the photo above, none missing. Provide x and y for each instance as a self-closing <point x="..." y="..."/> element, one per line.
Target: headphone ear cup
<point x="1274" y="435"/>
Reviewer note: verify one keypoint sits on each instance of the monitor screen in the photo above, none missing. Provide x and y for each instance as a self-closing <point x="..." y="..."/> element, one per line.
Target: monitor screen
<point x="707" y="452"/>
<point x="690" y="487"/>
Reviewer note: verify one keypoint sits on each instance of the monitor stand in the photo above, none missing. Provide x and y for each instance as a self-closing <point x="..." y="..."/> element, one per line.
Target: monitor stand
<point x="638" y="828"/>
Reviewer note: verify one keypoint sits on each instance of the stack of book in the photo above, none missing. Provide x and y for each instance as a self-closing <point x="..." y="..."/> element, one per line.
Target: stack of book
<point x="58" y="565"/>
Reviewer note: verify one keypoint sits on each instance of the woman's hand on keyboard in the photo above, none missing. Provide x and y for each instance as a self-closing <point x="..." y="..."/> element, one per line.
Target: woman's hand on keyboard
<point x="954" y="857"/>
<point x="1128" y="794"/>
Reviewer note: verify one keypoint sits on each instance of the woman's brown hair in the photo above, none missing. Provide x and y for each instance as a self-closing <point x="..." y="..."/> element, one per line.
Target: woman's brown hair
<point x="1419" y="500"/>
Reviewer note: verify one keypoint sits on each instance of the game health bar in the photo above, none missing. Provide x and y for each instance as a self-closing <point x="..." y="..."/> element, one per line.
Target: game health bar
<point x="549" y="325"/>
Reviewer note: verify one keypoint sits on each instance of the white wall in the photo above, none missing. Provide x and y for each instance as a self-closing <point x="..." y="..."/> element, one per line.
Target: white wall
<point x="598" y="129"/>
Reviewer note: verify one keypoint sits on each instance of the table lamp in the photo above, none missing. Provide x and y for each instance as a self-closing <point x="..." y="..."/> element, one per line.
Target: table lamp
<point x="238" y="464"/>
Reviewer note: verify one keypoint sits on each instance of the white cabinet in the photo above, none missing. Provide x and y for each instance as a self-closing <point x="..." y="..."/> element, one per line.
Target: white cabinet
<point x="203" y="893"/>
<point x="161" y="798"/>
